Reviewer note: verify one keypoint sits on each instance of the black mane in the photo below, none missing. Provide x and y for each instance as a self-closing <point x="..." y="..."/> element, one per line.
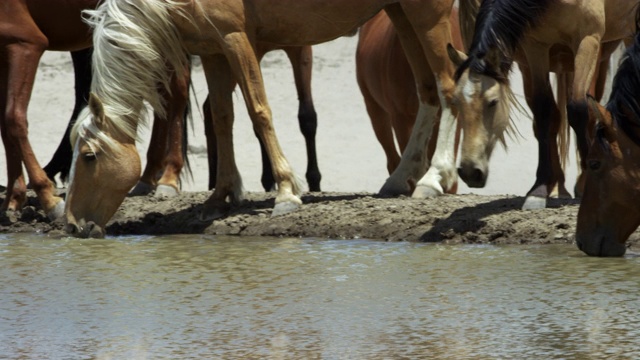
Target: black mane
<point x="499" y="27"/>
<point x="625" y="90"/>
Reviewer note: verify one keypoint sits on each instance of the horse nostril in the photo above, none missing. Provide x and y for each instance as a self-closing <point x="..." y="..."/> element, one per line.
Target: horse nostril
<point x="72" y="229"/>
<point x="478" y="175"/>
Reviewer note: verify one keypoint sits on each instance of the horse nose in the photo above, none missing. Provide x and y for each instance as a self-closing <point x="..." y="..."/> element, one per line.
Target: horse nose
<point x="94" y="230"/>
<point x="72" y="229"/>
<point x="472" y="176"/>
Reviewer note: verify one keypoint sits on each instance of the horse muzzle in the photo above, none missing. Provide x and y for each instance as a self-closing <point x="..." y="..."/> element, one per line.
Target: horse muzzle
<point x="600" y="245"/>
<point x="83" y="229"/>
<point x="472" y="175"/>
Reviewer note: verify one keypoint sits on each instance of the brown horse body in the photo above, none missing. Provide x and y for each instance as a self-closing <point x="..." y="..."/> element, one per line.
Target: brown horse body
<point x="389" y="89"/>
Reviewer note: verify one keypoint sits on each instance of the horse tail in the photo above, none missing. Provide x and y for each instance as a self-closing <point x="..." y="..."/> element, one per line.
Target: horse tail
<point x="468" y="13"/>
<point x="564" y="135"/>
<point x="136" y="48"/>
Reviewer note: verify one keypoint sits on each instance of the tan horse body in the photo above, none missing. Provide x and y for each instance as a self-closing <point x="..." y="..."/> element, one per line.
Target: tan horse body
<point x="389" y="89"/>
<point x="225" y="34"/>
<point x="547" y="43"/>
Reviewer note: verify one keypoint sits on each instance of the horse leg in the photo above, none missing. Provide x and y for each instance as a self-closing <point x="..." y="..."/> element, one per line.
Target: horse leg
<point x="212" y="144"/>
<point x="20" y="61"/>
<point x="246" y="68"/>
<point x="380" y="121"/>
<point x="61" y="160"/>
<point x="301" y="58"/>
<point x="432" y="28"/>
<point x="413" y="163"/>
<point x="221" y="83"/>
<point x="155" y="156"/>
<point x="586" y="61"/>
<point x="546" y="117"/>
<point x="169" y="182"/>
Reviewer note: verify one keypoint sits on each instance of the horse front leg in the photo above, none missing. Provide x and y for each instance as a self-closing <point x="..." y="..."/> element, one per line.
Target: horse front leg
<point x="174" y="159"/>
<point x="221" y="82"/>
<point x="246" y="68"/>
<point x="424" y="32"/>
<point x="586" y="64"/>
<point x="546" y="120"/>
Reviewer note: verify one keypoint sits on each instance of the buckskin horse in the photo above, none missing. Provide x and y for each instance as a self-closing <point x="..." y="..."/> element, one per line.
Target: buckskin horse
<point x="161" y="31"/>
<point x="531" y="30"/>
<point x="389" y="89"/>
<point x="609" y="211"/>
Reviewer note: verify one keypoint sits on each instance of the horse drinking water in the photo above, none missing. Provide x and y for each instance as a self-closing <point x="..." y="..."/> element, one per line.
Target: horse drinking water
<point x="140" y="43"/>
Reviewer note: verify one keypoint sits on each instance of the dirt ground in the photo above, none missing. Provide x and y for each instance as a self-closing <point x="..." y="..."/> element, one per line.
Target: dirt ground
<point x="447" y="219"/>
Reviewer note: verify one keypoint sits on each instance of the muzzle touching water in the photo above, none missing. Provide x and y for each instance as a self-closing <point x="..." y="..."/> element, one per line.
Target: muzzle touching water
<point x="85" y="230"/>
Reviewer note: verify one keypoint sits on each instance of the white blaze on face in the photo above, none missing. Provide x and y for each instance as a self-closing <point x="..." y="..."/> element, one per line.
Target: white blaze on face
<point x="74" y="159"/>
<point x="469" y="90"/>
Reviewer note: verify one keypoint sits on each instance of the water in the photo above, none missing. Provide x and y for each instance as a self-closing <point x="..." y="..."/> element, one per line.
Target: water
<point x="226" y="298"/>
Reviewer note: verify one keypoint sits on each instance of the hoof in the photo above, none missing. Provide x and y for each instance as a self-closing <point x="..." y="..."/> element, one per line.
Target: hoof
<point x="141" y="189"/>
<point x="534" y="202"/>
<point x="284" y="208"/>
<point x="425" y="192"/>
<point x="166" y="191"/>
<point x="390" y="189"/>
<point x="57" y="212"/>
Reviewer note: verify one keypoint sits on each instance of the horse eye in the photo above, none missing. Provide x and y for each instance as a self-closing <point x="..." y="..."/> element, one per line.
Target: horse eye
<point x="493" y="103"/>
<point x="90" y="156"/>
<point x="594" y="165"/>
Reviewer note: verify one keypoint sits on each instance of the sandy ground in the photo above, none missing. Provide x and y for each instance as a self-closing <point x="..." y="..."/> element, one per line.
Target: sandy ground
<point x="351" y="161"/>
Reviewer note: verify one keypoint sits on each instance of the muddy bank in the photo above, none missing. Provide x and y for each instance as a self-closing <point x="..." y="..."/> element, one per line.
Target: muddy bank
<point x="448" y="219"/>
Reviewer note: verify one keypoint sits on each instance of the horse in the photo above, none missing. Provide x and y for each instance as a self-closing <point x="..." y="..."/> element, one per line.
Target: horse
<point x="528" y="31"/>
<point x="388" y="87"/>
<point x="30" y="27"/>
<point x="301" y="59"/>
<point x="609" y="210"/>
<point x="226" y="42"/>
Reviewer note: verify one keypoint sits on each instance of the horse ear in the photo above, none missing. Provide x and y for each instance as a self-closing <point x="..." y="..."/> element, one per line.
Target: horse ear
<point x="602" y="116"/>
<point x="96" y="107"/>
<point x="457" y="57"/>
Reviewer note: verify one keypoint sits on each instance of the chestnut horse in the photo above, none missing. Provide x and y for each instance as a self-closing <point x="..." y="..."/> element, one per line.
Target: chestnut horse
<point x="160" y="32"/>
<point x="30" y="27"/>
<point x="389" y="89"/>
<point x="504" y="32"/>
<point x="609" y="211"/>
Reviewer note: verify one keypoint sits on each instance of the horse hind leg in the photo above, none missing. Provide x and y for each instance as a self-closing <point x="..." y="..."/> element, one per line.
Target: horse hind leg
<point x="246" y="69"/>
<point x="228" y="183"/>
<point x="60" y="162"/>
<point x="20" y="61"/>
<point x="301" y="58"/>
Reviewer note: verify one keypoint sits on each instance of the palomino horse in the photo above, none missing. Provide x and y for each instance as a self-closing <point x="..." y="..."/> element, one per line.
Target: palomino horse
<point x="389" y="89"/>
<point x="29" y="27"/>
<point x="504" y="31"/>
<point x="160" y="32"/>
<point x="301" y="58"/>
<point x="609" y="211"/>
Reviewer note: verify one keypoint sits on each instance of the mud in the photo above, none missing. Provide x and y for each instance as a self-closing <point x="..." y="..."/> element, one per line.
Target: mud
<point x="448" y="219"/>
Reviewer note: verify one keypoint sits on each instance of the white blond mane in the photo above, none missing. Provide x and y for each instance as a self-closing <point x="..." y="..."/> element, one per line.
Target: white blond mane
<point x="136" y="49"/>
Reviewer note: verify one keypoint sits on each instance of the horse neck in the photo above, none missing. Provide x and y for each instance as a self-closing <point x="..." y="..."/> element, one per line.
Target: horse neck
<point x="468" y="12"/>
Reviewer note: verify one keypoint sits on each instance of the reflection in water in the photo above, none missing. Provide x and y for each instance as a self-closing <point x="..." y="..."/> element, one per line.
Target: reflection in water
<point x="216" y="297"/>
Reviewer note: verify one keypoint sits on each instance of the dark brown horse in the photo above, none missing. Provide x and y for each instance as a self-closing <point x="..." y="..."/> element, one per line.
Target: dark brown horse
<point x="609" y="210"/>
<point x="389" y="88"/>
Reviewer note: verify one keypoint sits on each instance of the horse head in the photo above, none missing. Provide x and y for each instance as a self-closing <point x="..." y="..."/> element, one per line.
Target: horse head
<point x="609" y="211"/>
<point x="105" y="166"/>
<point x="482" y="97"/>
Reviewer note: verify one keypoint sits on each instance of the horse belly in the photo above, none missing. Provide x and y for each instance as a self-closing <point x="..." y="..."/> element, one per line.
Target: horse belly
<point x="61" y="22"/>
<point x="308" y="22"/>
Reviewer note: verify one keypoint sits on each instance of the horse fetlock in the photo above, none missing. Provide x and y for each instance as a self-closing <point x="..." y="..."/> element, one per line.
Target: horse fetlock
<point x="57" y="211"/>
